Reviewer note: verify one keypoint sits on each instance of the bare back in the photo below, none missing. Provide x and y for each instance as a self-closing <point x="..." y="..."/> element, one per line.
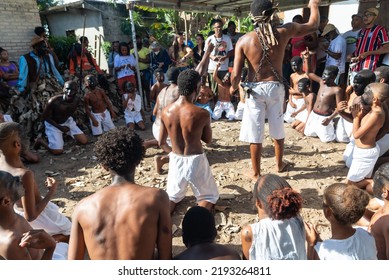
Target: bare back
<point x="379" y="228"/>
<point x="209" y="251"/>
<point x="125" y="221"/>
<point x="166" y="96"/>
<point x="186" y="125"/>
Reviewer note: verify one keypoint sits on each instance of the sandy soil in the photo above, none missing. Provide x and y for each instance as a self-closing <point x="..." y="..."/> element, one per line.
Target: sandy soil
<point x="316" y="165"/>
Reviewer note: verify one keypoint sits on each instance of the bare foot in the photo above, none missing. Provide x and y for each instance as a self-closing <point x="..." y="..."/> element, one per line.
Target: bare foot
<point x="285" y="167"/>
<point x="158" y="163"/>
<point x="251" y="174"/>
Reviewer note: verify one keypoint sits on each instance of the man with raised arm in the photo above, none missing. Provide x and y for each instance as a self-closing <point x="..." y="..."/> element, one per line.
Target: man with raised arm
<point x="262" y="48"/>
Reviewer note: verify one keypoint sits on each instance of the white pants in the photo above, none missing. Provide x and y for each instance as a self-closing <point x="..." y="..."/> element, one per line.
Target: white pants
<point x="362" y="163"/>
<point x="221" y="107"/>
<point x="55" y="136"/>
<point x="343" y="131"/>
<point x="105" y="123"/>
<point x="290" y="110"/>
<point x="314" y="128"/>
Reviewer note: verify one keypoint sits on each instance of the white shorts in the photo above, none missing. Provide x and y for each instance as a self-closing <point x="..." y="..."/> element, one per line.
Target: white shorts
<point x="55" y="137"/>
<point x="132" y="116"/>
<point x="239" y="111"/>
<point x="302" y="116"/>
<point x="193" y="170"/>
<point x="105" y="123"/>
<point x="265" y="100"/>
<point x="156" y="130"/>
<point x="314" y="128"/>
<point x="221" y="107"/>
<point x="362" y="163"/>
<point x="383" y="144"/>
<point x="290" y="110"/>
<point x="343" y="131"/>
<point x="348" y="152"/>
<point x="50" y="220"/>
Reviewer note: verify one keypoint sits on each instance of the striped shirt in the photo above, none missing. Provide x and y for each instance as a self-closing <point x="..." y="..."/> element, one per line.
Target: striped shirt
<point x="370" y="39"/>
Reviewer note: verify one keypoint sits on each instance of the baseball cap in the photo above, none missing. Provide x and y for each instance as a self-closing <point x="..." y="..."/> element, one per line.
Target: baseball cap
<point x="373" y="11"/>
<point x="327" y="29"/>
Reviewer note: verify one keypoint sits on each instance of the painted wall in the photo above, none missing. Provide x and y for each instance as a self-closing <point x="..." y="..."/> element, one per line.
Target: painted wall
<point x="18" y="18"/>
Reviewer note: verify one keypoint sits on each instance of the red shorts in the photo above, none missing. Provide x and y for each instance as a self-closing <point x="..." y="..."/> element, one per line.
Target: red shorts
<point x="123" y="80"/>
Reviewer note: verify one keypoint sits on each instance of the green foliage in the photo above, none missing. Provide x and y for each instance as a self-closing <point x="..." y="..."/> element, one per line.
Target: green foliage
<point x="106" y="46"/>
<point x="62" y="46"/>
<point x="45" y="4"/>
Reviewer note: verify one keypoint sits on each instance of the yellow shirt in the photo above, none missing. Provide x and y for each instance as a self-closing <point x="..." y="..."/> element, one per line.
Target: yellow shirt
<point x="142" y="54"/>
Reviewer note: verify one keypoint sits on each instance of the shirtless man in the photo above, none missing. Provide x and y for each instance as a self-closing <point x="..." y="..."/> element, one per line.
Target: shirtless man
<point x="345" y="123"/>
<point x="379" y="223"/>
<point x="205" y="96"/>
<point x="198" y="234"/>
<point x="156" y="88"/>
<point x="223" y="103"/>
<point x="301" y="115"/>
<point x="18" y="241"/>
<point x="187" y="125"/>
<point x="35" y="208"/>
<point x="296" y="99"/>
<point x="265" y="58"/>
<point x="123" y="221"/>
<point x="96" y="103"/>
<point x="320" y="122"/>
<point x="58" y="119"/>
<point x="365" y="129"/>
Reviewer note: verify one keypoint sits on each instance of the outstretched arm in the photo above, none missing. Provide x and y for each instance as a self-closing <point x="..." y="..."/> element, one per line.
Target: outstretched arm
<point x="298" y="30"/>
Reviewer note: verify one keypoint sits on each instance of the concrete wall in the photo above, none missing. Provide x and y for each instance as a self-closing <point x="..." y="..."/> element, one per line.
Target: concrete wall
<point x="18" y="18"/>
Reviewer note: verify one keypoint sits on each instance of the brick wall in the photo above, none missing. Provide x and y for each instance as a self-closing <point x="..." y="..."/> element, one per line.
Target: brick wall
<point x="18" y="19"/>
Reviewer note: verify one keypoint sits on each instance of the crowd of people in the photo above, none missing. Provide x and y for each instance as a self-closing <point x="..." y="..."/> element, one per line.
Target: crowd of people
<point x="341" y="95"/>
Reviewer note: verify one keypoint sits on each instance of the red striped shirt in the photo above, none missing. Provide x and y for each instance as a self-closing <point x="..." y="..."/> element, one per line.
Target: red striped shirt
<point x="370" y="39"/>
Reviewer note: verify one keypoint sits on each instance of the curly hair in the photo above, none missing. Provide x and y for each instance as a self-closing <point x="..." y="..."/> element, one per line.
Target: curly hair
<point x="187" y="82"/>
<point x="280" y="201"/>
<point x="9" y="128"/>
<point x="120" y="150"/>
<point x="347" y="203"/>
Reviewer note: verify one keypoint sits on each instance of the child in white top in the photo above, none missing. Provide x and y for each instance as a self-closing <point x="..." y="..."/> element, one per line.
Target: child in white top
<point x="132" y="104"/>
<point x="343" y="206"/>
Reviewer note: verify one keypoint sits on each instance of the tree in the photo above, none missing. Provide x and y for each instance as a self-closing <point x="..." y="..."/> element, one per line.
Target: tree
<point x="45" y="4"/>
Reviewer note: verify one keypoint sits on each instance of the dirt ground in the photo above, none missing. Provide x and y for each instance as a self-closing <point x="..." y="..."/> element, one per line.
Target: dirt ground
<point x="316" y="165"/>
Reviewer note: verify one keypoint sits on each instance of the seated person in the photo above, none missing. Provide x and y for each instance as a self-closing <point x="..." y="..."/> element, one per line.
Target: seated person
<point x="58" y="120"/>
<point x="132" y="105"/>
<point x="96" y="107"/>
<point x="278" y="207"/>
<point x="198" y="234"/>
<point x="379" y="223"/>
<point x="205" y="95"/>
<point x="223" y="103"/>
<point x="320" y="122"/>
<point x="18" y="241"/>
<point x="301" y="115"/>
<point x="343" y="206"/>
<point x="296" y="99"/>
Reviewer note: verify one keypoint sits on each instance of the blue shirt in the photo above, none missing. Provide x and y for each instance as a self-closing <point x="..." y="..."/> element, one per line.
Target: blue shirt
<point x="44" y="71"/>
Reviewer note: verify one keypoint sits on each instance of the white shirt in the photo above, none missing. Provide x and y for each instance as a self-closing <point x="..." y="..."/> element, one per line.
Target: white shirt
<point x="359" y="246"/>
<point x="135" y="105"/>
<point x="337" y="45"/>
<point x="123" y="60"/>
<point x="278" y="240"/>
<point x="351" y="40"/>
<point x="222" y="46"/>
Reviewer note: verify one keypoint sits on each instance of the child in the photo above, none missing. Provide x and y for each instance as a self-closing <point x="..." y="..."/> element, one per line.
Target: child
<point x="345" y="124"/>
<point x="205" y="95"/>
<point x="124" y="64"/>
<point x="132" y="104"/>
<point x="296" y="99"/>
<point x="320" y="122"/>
<point x="379" y="223"/>
<point x="156" y="89"/>
<point x="301" y="115"/>
<point x="224" y="99"/>
<point x="97" y="100"/>
<point x="365" y="130"/>
<point x="343" y="206"/>
<point x="279" y="234"/>
<point x="242" y="96"/>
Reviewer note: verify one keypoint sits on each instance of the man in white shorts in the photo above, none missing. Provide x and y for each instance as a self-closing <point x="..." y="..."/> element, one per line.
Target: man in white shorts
<point x="58" y="120"/>
<point x="264" y="51"/>
<point x="188" y="125"/>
